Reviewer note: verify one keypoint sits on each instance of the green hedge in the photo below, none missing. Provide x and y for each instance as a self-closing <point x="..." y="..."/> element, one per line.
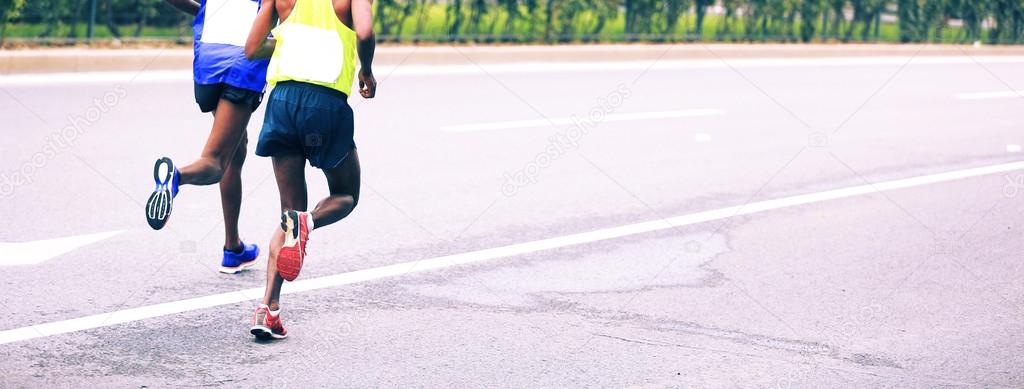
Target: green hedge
<point x="553" y="21"/>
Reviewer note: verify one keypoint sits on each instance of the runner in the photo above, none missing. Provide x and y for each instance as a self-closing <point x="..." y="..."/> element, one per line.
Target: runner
<point x="308" y="118"/>
<point x="231" y="86"/>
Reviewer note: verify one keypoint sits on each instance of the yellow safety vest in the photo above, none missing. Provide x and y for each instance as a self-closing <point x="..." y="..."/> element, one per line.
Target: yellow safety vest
<point x="313" y="46"/>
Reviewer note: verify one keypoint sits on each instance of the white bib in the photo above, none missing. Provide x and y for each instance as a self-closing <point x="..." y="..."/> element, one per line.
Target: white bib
<point x="309" y="53"/>
<point x="228" y="21"/>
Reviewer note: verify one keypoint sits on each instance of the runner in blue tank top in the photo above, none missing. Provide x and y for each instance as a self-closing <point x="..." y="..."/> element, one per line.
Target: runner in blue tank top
<point x="230" y="86"/>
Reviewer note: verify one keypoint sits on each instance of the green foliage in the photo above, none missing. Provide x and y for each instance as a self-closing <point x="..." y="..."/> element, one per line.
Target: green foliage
<point x="809" y="10"/>
<point x="1000" y="21"/>
<point x="9" y="8"/>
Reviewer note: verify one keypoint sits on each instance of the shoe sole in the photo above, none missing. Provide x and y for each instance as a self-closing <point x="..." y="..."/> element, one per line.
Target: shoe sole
<point x="240" y="268"/>
<point x="288" y="265"/>
<point x="264" y="333"/>
<point x="158" y="207"/>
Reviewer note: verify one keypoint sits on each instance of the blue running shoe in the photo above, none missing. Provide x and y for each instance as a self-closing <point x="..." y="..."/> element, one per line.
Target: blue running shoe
<point x="235" y="262"/>
<point x="158" y="207"/>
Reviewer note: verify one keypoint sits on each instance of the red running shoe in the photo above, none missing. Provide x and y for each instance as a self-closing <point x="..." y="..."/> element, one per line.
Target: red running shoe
<point x="296" y="227"/>
<point x="267" y="326"/>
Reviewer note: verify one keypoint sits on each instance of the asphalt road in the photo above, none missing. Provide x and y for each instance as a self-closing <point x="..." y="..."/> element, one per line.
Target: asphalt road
<point x="915" y="285"/>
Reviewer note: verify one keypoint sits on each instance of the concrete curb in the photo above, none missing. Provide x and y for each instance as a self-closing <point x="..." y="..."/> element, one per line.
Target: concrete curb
<point x="91" y="60"/>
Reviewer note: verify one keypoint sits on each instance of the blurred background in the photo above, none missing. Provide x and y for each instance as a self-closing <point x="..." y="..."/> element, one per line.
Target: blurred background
<point x="68" y="22"/>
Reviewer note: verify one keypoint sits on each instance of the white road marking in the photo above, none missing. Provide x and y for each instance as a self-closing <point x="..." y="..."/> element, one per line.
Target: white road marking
<point x="39" y="251"/>
<point x="1006" y="94"/>
<point x="702" y="137"/>
<point x="565" y="121"/>
<point x="1013" y="148"/>
<point x="72" y="54"/>
<point x="58" y="79"/>
<point x="732" y="63"/>
<point x="400" y="269"/>
<point x="62" y="79"/>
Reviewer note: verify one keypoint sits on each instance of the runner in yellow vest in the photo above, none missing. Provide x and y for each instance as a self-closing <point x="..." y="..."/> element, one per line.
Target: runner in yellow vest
<point x="312" y="66"/>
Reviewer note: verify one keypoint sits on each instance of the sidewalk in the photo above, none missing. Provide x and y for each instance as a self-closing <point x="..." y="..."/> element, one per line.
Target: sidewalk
<point x="91" y="60"/>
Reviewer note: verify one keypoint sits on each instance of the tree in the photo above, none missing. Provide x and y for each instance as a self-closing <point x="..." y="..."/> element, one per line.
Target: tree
<point x="630" y="15"/>
<point x="549" y="20"/>
<point x="837" y="8"/>
<point x="604" y="10"/>
<point x="809" y="11"/>
<point x="50" y="13"/>
<point x="406" y="12"/>
<point x="477" y="10"/>
<point x="8" y="10"/>
<point x="1008" y="16"/>
<point x="423" y="5"/>
<point x="455" y="15"/>
<point x="872" y="18"/>
<point x="532" y="6"/>
<point x="383" y="13"/>
<point x="512" y="9"/>
<point x="700" y="7"/>
<point x="972" y="12"/>
<point x="725" y="28"/>
<point x="391" y="16"/>
<point x="753" y="16"/>
<point x="145" y="9"/>
<point x="791" y="9"/>
<point x="639" y="16"/>
<point x="773" y="23"/>
<point x="673" y="10"/>
<point x="109" y="20"/>
<point x="859" y="12"/>
<point x="561" y="20"/>
<point x="934" y="19"/>
<point x="565" y="15"/>
<point x="909" y="14"/>
<point x="76" y="14"/>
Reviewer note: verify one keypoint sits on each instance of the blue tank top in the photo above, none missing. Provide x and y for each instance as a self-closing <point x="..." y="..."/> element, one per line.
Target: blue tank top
<point x="219" y="33"/>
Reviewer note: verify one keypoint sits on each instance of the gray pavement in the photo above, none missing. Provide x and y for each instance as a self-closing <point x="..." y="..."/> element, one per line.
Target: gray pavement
<point x="918" y="287"/>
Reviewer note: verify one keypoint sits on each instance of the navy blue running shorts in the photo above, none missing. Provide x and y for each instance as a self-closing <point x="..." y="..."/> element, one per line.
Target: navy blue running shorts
<point x="309" y="120"/>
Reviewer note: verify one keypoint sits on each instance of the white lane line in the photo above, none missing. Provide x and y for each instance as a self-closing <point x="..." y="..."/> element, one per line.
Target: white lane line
<point x="1012" y="148"/>
<point x="61" y="79"/>
<point x="58" y="79"/>
<point x="1006" y="94"/>
<point x="72" y="54"/>
<point x="701" y="137"/>
<point x="192" y="304"/>
<point x="564" y="121"/>
<point x="39" y="251"/>
<point x="686" y="64"/>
